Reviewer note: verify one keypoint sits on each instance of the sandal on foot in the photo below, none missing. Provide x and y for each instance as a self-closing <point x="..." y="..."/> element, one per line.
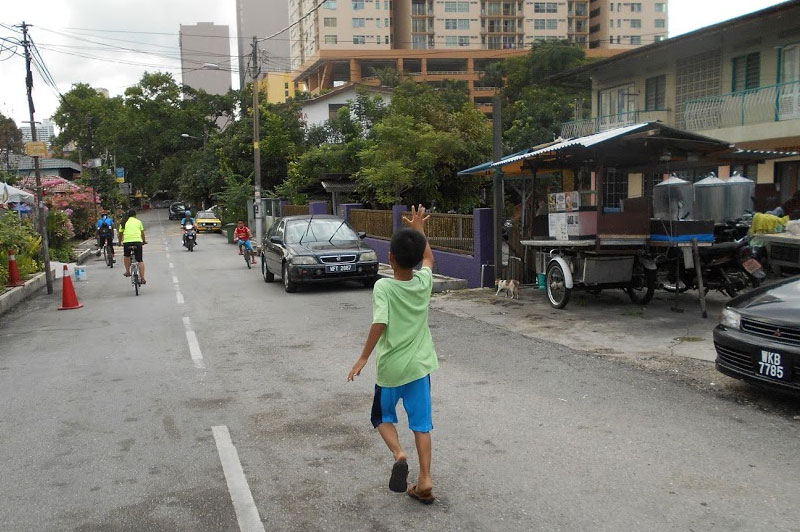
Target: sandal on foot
<point x="144" y="281"/>
<point x="126" y="274"/>
<point x="399" y="479"/>
<point x="425" y="497"/>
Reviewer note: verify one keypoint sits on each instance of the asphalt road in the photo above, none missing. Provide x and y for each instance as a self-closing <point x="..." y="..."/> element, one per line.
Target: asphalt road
<point x="113" y="418"/>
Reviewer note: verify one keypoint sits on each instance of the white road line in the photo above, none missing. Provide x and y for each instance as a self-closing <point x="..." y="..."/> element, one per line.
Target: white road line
<point x="179" y="297"/>
<point x="171" y="266"/>
<point x="194" y="345"/>
<point x="174" y="279"/>
<point x="243" y="503"/>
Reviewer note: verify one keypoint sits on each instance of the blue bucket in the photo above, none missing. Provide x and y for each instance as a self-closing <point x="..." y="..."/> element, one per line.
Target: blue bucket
<point x="541" y="280"/>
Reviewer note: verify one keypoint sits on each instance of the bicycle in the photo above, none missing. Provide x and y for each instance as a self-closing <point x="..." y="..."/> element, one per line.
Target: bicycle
<point x="108" y="254"/>
<point x="249" y="256"/>
<point x="135" y="279"/>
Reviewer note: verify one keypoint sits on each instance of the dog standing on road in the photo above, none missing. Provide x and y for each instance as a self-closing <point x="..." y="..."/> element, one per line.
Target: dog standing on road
<point x="510" y="287"/>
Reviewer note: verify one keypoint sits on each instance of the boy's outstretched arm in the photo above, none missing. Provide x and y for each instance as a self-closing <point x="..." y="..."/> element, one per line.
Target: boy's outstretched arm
<point x="374" y="335"/>
<point x="417" y="221"/>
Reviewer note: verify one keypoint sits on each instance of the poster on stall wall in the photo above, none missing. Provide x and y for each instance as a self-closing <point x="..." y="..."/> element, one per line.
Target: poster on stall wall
<point x="564" y="201"/>
<point x="573" y="224"/>
<point x="557" y="223"/>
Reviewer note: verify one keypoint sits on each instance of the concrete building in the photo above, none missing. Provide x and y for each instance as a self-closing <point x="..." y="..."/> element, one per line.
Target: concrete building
<point x="45" y="131"/>
<point x="737" y="81"/>
<point x="206" y="57"/>
<point x="316" y="111"/>
<point x="279" y="86"/>
<point x="622" y="25"/>
<point x="261" y="19"/>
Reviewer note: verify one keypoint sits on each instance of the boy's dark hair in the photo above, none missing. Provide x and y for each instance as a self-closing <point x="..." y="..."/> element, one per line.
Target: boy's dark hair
<point x="237" y="221"/>
<point x="407" y="247"/>
<point x="131" y="212"/>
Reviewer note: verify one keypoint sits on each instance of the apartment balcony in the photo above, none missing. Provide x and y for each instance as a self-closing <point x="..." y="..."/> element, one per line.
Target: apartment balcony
<point x="751" y="115"/>
<point x="590" y="126"/>
<point x="485" y="91"/>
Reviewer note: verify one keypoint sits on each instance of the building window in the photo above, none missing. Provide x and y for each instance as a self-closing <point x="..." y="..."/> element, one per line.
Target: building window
<point x="494" y="8"/>
<point x="386" y="39"/>
<point x="655" y="98"/>
<point x="636" y="7"/>
<point x="636" y="23"/>
<point x="539" y="23"/>
<point x="451" y="41"/>
<point x="418" y="41"/>
<point x="611" y="23"/>
<point x="359" y="39"/>
<point x="358" y="4"/>
<point x="746" y="72"/>
<point x="615" y="188"/>
<point x="333" y="109"/>
<point x="331" y="39"/>
<point x="457" y="7"/>
<point x="552" y="24"/>
<point x="378" y="22"/>
<point x="616" y="104"/>
<point x="329" y="22"/>
<point x="463" y="24"/>
<point x="463" y="40"/>
<point x="386" y="22"/>
<point x="661" y="23"/>
<point x="661" y="7"/>
<point x="359" y="22"/>
<point x="545" y="7"/>
<point x="450" y="24"/>
<point x="330" y="4"/>
<point x="636" y="39"/>
<point x="660" y="38"/>
<point x="419" y="25"/>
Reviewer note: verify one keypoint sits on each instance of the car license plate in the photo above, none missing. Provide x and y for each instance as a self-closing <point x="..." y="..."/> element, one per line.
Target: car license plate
<point x="752" y="266"/>
<point x="771" y="365"/>
<point x="338" y="268"/>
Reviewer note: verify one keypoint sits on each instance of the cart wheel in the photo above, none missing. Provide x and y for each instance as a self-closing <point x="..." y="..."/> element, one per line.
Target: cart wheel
<point x="643" y="284"/>
<point x="557" y="291"/>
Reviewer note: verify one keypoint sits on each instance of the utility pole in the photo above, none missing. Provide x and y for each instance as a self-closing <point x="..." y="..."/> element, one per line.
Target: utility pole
<point x="256" y="146"/>
<point x="39" y="190"/>
<point x="497" y="182"/>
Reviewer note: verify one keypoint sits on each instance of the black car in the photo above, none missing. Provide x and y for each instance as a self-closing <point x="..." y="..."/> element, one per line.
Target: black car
<point x="316" y="248"/>
<point x="177" y="209"/>
<point x="758" y="339"/>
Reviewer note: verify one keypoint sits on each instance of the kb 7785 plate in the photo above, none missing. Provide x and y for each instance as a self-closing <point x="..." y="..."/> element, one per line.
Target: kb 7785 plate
<point x="771" y="365"/>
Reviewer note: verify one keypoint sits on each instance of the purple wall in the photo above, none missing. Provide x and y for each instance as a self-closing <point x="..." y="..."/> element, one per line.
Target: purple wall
<point x="466" y="267"/>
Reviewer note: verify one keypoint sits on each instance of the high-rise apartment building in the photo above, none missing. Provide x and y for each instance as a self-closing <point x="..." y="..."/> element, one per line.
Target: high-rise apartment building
<point x="469" y="24"/>
<point x="626" y="25"/>
<point x="45" y="131"/>
<point x="206" y="57"/>
<point x="262" y="19"/>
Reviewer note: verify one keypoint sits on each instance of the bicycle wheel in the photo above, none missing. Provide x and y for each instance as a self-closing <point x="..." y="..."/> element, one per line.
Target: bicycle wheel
<point x="109" y="251"/>
<point x="247" y="258"/>
<point x="135" y="281"/>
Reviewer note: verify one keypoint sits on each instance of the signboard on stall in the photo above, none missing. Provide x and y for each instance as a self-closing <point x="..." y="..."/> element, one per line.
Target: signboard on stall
<point x="564" y="219"/>
<point x="36" y="149"/>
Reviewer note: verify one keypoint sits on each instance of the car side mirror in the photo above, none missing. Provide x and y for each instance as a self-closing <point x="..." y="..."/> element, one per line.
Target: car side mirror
<point x="275" y="240"/>
<point x="362" y="235"/>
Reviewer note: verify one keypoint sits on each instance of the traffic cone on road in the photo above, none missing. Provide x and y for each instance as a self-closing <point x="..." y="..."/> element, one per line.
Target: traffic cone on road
<point x="69" y="300"/>
<point x="14" y="278"/>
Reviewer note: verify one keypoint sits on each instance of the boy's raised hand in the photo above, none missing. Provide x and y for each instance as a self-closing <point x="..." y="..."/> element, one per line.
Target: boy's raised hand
<point x="418" y="218"/>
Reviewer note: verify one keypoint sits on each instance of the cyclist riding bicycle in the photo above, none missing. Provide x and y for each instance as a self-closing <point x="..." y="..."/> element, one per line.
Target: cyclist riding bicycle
<point x="188" y="219"/>
<point x="105" y="232"/>
<point x="131" y="234"/>
<point x="242" y="236"/>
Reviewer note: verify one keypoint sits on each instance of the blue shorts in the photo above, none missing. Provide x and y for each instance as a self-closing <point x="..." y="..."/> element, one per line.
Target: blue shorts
<point x="247" y="244"/>
<point x="416" y="396"/>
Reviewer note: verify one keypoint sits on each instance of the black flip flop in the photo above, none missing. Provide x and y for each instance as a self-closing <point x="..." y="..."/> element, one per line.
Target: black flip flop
<point x="399" y="479"/>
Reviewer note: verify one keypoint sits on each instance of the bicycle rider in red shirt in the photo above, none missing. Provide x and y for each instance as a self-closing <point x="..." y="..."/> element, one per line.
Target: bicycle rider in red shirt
<point x="242" y="236"/>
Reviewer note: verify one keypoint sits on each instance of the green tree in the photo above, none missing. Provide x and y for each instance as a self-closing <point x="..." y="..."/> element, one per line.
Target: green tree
<point x="10" y="140"/>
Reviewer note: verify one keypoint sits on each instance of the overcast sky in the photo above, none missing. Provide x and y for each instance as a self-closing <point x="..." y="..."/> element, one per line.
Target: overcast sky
<point x="66" y="32"/>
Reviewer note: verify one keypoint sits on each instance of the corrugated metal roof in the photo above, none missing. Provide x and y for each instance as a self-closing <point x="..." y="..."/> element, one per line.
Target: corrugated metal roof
<point x="587" y="141"/>
<point x="26" y="163"/>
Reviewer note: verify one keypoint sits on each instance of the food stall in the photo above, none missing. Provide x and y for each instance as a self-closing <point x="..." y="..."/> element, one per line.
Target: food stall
<point x="588" y="233"/>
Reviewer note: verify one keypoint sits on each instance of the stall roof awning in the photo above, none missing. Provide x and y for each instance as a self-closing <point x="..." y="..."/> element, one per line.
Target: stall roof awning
<point x="338" y="186"/>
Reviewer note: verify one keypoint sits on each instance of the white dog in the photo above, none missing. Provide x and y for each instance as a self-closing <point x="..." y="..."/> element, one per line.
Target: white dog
<point x="510" y="287"/>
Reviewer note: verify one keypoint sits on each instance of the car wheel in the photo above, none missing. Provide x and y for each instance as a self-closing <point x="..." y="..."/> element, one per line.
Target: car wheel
<point x="268" y="275"/>
<point x="288" y="285"/>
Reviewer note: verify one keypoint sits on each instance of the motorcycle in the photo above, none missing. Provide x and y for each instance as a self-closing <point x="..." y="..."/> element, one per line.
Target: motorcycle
<point x="189" y="236"/>
<point x="726" y="266"/>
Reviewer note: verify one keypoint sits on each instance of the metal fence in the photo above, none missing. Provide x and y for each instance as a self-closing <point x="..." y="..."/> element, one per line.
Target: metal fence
<point x="377" y="224"/>
<point x="754" y="106"/>
<point x="450" y="232"/>
<point x="293" y="210"/>
<point x="590" y="126"/>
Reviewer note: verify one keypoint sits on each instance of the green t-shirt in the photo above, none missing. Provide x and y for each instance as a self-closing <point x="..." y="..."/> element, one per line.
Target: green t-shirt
<point x="405" y="349"/>
<point x="133" y="231"/>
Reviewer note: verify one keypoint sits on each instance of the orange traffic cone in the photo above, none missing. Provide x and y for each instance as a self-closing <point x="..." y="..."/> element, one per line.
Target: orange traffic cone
<point x="69" y="300"/>
<point x="14" y="278"/>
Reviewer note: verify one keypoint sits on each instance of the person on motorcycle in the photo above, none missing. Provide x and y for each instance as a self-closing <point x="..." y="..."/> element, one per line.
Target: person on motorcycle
<point x="187" y="219"/>
<point x="105" y="232"/>
<point x="242" y="236"/>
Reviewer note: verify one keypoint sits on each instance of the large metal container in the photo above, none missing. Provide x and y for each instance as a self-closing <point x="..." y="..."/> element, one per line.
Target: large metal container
<point x="673" y="199"/>
<point x="739" y="192"/>
<point x="709" y="199"/>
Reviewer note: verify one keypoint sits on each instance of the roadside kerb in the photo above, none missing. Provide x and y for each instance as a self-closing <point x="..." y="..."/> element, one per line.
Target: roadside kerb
<point x="13" y="296"/>
<point x="441" y="283"/>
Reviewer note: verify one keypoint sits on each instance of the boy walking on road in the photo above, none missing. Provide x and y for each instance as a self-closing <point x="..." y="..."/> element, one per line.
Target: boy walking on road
<point x="406" y="356"/>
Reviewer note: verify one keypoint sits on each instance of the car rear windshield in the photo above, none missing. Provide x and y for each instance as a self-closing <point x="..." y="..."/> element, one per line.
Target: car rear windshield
<point x="206" y="216"/>
<point x="320" y="230"/>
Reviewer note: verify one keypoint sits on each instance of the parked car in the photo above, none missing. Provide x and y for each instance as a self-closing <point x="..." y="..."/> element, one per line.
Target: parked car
<point x="316" y="248"/>
<point x="758" y="338"/>
<point x="207" y="221"/>
<point x="177" y="209"/>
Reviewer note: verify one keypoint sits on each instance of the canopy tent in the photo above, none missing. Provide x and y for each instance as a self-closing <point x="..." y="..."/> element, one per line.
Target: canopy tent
<point x="10" y="194"/>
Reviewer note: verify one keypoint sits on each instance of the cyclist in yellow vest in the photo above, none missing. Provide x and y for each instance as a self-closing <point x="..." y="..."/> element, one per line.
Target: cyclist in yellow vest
<point x="131" y="234"/>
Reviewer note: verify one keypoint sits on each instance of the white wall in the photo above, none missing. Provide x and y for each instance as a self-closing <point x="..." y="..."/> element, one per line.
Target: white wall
<point x="315" y="112"/>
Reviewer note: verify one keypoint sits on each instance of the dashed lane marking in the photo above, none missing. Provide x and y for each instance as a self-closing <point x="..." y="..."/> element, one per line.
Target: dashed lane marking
<point x="242" y="498"/>
<point x="179" y="297"/>
<point x="194" y="345"/>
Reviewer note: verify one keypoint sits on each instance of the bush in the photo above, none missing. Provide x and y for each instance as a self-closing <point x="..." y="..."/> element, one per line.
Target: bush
<point x="19" y="235"/>
<point x="59" y="229"/>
